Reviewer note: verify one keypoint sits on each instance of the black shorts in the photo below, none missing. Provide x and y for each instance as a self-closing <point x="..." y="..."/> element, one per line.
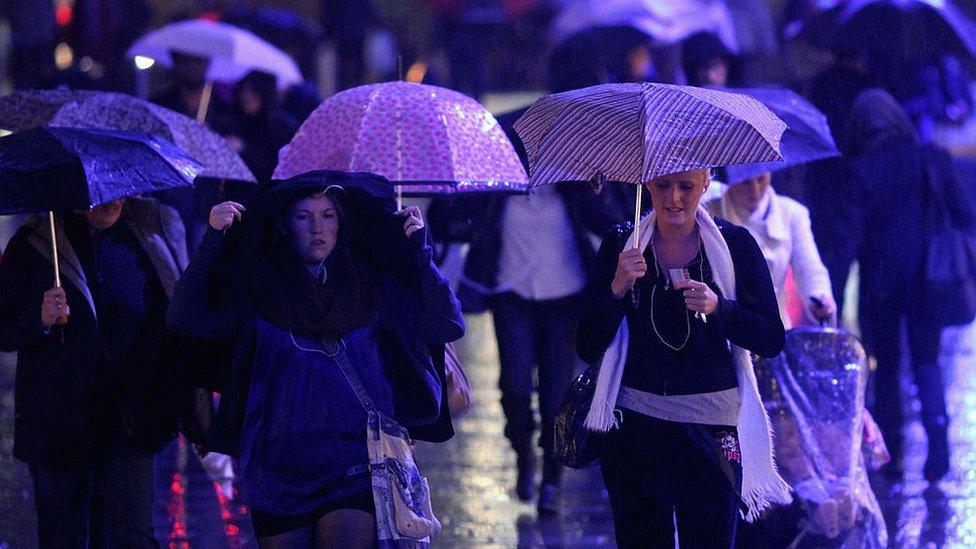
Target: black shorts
<point x="267" y="525"/>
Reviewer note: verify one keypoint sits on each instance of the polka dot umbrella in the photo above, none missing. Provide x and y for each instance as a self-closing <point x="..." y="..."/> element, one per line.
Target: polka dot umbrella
<point x="426" y="139"/>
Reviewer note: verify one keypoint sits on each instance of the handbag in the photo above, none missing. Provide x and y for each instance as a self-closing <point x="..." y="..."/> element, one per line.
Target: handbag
<point x="950" y="266"/>
<point x="458" y="387"/>
<point x="574" y="445"/>
<point x="401" y="496"/>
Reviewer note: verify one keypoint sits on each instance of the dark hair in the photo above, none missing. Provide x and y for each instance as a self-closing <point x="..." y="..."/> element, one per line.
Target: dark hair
<point x="875" y="121"/>
<point x="699" y="51"/>
<point x="265" y="86"/>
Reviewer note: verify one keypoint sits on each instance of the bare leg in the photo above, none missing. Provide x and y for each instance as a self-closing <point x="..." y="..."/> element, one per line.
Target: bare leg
<point x="346" y="529"/>
<point x="292" y="539"/>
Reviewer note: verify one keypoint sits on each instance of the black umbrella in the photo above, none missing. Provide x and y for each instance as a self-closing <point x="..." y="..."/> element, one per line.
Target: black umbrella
<point x="54" y="169"/>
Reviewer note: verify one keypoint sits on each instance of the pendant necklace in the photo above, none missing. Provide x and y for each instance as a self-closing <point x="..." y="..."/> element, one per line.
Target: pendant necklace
<point x="657" y="274"/>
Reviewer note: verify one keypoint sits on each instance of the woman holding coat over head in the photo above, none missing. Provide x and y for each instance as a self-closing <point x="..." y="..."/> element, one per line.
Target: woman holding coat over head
<point x="320" y="257"/>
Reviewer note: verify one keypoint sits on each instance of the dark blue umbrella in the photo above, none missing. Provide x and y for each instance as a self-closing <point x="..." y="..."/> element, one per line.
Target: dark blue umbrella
<point x="936" y="26"/>
<point x="806" y="139"/>
<point x="53" y="169"/>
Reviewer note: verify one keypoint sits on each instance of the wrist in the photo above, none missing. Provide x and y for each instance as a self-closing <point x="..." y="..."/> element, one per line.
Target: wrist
<point x="617" y="291"/>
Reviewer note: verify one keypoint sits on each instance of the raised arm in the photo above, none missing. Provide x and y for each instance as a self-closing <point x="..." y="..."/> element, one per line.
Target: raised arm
<point x="603" y="310"/>
<point x="438" y="316"/>
<point x="191" y="311"/>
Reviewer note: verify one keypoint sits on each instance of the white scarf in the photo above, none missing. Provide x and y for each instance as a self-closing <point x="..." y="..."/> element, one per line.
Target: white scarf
<point x="761" y="483"/>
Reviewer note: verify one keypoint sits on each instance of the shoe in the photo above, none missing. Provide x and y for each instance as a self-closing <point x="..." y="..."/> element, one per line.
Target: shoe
<point x="548" y="504"/>
<point x="525" y="480"/>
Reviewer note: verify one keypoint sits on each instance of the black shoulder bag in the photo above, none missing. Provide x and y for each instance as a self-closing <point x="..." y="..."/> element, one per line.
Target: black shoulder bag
<point x="950" y="265"/>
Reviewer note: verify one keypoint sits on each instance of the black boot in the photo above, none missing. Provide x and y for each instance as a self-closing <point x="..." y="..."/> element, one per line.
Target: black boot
<point x="526" y="462"/>
<point x="548" y="503"/>
<point x="937" y="462"/>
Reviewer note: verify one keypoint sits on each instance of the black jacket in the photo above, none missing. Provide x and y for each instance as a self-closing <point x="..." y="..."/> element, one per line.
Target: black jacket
<point x="82" y="388"/>
<point x="751" y="321"/>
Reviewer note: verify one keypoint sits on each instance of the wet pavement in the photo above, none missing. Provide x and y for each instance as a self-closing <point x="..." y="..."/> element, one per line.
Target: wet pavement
<point x="473" y="475"/>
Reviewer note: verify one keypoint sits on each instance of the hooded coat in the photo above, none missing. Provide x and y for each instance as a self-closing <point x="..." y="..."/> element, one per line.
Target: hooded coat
<point x="416" y="310"/>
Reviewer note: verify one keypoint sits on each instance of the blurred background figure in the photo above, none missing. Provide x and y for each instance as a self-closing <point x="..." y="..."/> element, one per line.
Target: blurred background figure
<point x="262" y="125"/>
<point x="902" y="192"/>
<point x="781" y="227"/>
<point x="706" y="61"/>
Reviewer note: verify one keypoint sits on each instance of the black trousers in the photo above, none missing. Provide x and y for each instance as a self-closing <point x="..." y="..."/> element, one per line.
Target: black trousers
<point x="531" y="334"/>
<point x="105" y="506"/>
<point x="660" y="474"/>
<point x="881" y="325"/>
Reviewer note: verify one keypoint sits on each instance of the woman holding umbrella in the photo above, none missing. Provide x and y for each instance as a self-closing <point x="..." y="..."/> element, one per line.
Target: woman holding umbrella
<point x="320" y="257"/>
<point x="687" y="436"/>
<point x="675" y="458"/>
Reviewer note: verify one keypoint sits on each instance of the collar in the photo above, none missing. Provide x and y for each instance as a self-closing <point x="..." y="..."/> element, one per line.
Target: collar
<point x="772" y="222"/>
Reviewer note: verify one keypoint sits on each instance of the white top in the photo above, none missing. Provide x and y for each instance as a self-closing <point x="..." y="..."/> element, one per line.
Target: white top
<point x="539" y="259"/>
<point x="781" y="226"/>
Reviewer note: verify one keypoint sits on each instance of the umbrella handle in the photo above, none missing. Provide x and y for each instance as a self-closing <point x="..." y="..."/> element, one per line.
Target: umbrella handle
<point x="399" y="197"/>
<point x="54" y="250"/>
<point x="204" y="102"/>
<point x="57" y="266"/>
<point x="637" y="218"/>
<point x="634" y="298"/>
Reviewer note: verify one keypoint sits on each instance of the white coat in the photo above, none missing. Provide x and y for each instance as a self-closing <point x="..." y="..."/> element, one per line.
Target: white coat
<point x="783" y="233"/>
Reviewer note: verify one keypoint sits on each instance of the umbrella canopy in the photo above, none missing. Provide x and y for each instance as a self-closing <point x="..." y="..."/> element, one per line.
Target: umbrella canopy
<point x="807" y="139"/>
<point x="50" y="169"/>
<point x="411" y="134"/>
<point x="878" y="25"/>
<point x="233" y="52"/>
<point x="633" y="133"/>
<point x="666" y="22"/>
<point x="27" y="109"/>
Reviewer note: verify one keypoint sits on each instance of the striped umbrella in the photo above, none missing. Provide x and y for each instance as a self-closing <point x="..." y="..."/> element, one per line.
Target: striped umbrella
<point x="633" y="133"/>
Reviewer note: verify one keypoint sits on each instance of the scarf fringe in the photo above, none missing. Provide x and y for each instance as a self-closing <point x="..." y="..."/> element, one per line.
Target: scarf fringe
<point x="762" y="485"/>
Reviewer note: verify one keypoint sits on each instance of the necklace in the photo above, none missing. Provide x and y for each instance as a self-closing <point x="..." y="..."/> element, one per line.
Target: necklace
<point x="657" y="274"/>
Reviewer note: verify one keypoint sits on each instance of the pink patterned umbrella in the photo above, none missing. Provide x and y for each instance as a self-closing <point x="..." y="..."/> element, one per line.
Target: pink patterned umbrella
<point x="429" y="139"/>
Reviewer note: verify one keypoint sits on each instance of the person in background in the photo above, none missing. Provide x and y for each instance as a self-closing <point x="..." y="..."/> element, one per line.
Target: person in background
<point x="530" y="257"/>
<point x="892" y="191"/>
<point x="184" y="95"/>
<point x="705" y="60"/>
<point x="263" y="126"/>
<point x="781" y="226"/>
<point x="100" y="379"/>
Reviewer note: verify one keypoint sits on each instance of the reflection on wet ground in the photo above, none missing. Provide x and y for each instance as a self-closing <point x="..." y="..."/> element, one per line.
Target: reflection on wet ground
<point x="473" y="476"/>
